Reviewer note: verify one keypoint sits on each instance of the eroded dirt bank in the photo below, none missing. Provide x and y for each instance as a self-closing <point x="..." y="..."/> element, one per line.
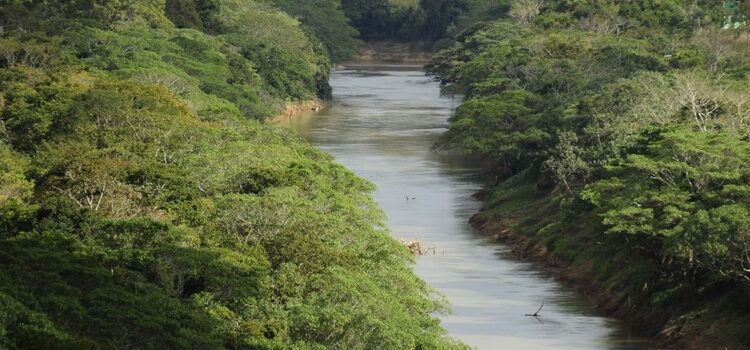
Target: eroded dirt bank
<point x="651" y="321"/>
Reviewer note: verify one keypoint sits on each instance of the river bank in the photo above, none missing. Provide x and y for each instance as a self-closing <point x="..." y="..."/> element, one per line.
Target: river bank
<point x="668" y="326"/>
<point x="579" y="277"/>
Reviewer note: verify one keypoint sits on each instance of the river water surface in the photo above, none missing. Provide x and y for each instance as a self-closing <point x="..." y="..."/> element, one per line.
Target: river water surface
<point x="382" y="125"/>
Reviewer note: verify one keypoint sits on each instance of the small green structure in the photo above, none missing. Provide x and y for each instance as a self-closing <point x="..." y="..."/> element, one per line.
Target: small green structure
<point x="733" y="20"/>
<point x="731" y="5"/>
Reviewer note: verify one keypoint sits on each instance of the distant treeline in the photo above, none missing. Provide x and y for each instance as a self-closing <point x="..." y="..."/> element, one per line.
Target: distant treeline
<point x="324" y="20"/>
<point x="426" y="21"/>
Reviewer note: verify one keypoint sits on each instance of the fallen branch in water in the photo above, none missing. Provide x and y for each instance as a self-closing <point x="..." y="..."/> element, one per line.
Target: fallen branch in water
<point x="536" y="314"/>
<point x="415" y="248"/>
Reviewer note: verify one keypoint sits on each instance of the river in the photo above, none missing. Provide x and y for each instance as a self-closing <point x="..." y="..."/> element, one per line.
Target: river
<point x="382" y="125"/>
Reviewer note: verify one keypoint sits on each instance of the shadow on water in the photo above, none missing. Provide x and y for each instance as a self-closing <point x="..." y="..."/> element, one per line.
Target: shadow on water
<point x="382" y="125"/>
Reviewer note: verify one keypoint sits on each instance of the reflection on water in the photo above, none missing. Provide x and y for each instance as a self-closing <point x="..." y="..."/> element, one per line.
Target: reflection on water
<point x="382" y="124"/>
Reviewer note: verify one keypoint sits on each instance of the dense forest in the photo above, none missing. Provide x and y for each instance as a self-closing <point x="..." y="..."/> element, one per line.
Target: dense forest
<point x="144" y="203"/>
<point x="619" y="135"/>
<point x="431" y="23"/>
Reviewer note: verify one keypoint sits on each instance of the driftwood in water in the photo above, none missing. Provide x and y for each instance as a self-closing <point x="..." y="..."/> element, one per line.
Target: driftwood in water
<point x="536" y="314"/>
<point x="415" y="247"/>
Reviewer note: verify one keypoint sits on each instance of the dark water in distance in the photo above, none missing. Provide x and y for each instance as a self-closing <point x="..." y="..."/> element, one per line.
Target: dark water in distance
<point x="381" y="125"/>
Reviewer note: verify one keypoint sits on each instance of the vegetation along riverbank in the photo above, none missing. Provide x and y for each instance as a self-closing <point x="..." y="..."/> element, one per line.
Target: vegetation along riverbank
<point x="145" y="204"/>
<point x="619" y="136"/>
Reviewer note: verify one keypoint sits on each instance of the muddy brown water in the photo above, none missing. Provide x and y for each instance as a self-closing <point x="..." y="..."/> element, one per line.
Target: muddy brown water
<point x="382" y="124"/>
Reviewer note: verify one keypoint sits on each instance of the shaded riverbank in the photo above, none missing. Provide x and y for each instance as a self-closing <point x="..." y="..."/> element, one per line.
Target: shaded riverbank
<point x="609" y="300"/>
<point x="517" y="215"/>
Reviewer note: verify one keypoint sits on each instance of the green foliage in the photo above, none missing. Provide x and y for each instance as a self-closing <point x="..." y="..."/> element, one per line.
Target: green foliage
<point x="597" y="82"/>
<point x="255" y="56"/>
<point x="326" y="21"/>
<point x="33" y="107"/>
<point x="191" y="64"/>
<point x="184" y="14"/>
<point x="105" y="13"/>
<point x="136" y="195"/>
<point x="688" y="190"/>
<point x="369" y="17"/>
<point x="500" y="126"/>
<point x="427" y="21"/>
<point x="627" y="124"/>
<point x="285" y="56"/>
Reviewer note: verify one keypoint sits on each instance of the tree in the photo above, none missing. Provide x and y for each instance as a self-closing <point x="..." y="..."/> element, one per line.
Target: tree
<point x="524" y="11"/>
<point x="565" y="162"/>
